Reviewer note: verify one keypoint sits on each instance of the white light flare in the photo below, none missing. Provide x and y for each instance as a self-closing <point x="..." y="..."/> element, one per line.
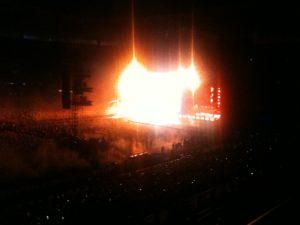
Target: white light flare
<point x="153" y="97"/>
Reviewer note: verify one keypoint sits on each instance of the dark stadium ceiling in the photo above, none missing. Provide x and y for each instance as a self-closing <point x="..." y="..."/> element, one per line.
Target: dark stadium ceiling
<point x="95" y="19"/>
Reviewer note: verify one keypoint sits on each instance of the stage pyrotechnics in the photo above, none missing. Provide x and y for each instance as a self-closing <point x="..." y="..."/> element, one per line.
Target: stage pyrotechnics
<point x="152" y="104"/>
<point x="157" y="98"/>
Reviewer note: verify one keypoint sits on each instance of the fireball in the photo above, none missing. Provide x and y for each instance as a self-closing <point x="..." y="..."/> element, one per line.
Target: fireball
<point x="153" y="97"/>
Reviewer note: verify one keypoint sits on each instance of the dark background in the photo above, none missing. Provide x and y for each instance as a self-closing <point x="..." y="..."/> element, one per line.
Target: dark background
<point x="250" y="49"/>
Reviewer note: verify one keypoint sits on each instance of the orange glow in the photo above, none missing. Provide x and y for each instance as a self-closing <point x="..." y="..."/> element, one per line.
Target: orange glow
<point x="153" y="97"/>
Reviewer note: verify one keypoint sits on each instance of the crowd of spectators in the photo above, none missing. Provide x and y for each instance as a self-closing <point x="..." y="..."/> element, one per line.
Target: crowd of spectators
<point x="184" y="184"/>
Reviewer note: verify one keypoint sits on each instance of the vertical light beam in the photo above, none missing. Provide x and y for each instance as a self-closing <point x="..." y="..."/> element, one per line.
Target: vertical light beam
<point x="133" y="30"/>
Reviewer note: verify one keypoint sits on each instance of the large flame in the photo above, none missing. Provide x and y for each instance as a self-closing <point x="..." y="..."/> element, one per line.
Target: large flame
<point x="153" y="97"/>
